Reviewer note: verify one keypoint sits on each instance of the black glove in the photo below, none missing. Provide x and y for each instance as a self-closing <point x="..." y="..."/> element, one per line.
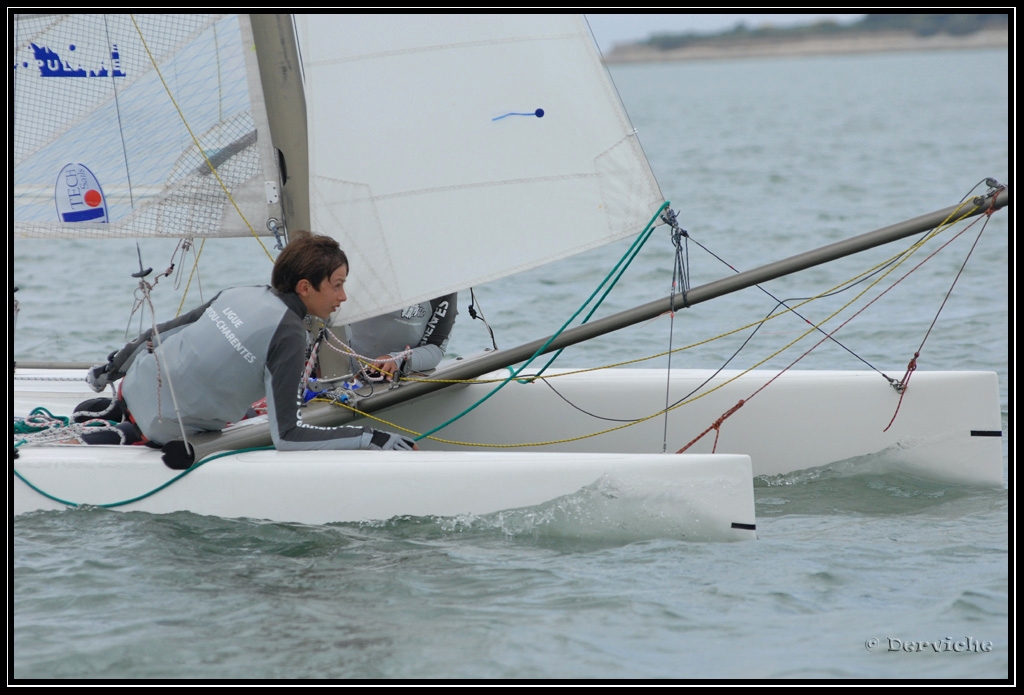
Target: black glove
<point x="387" y="441"/>
<point x="178" y="455"/>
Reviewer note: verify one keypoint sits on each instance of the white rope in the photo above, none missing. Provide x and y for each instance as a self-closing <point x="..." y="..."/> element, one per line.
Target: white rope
<point x="56" y="430"/>
<point x="363" y="359"/>
<point x="145" y="287"/>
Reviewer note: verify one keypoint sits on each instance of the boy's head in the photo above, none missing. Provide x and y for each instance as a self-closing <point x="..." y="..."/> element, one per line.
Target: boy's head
<point x="307" y="256"/>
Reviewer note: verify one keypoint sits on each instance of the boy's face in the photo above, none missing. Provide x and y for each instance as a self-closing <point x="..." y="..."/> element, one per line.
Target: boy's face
<point x="324" y="300"/>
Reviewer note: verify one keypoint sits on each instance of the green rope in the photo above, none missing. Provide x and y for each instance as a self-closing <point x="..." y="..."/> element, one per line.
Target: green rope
<point x="112" y="505"/>
<point x="21" y="425"/>
<point x="632" y="253"/>
<point x="627" y="258"/>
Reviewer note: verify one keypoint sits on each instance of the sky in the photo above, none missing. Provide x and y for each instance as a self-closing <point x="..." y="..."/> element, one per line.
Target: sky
<point x="610" y="29"/>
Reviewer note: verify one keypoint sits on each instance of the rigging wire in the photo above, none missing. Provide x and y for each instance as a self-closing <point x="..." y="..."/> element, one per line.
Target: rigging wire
<point x="949" y="221"/>
<point x="680" y="284"/>
<point x="716" y="425"/>
<point x="144" y="296"/>
<point x="991" y="183"/>
<point x="912" y="366"/>
<point x="786" y="302"/>
<point x="117" y="109"/>
<point x="479" y="314"/>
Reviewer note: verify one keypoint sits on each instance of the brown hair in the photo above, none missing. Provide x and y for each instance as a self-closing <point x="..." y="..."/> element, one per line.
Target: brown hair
<point x="312" y="257"/>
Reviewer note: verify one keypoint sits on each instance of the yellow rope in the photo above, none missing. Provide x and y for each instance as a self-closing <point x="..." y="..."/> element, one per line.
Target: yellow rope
<point x="896" y="260"/>
<point x="199" y="147"/>
<point x="392" y="425"/>
<point x="195" y="267"/>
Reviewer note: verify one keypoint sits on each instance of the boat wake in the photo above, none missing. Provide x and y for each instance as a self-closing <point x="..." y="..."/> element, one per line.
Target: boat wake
<point x="902" y="459"/>
<point x="608" y="511"/>
<point x="876" y="485"/>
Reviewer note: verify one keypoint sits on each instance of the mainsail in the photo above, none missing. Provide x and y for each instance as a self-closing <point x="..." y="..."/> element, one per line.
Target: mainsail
<point x="446" y="151"/>
<point x="118" y="119"/>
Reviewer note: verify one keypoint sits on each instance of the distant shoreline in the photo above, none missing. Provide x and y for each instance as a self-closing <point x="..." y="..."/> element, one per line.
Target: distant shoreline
<point x="863" y="42"/>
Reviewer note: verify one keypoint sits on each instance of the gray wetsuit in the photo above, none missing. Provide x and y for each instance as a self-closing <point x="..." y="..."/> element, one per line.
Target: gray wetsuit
<point x="242" y="345"/>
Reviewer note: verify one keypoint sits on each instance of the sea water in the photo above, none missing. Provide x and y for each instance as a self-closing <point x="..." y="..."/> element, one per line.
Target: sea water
<point x="858" y="572"/>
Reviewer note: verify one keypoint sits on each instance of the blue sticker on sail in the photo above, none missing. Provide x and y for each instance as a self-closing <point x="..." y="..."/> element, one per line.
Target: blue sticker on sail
<point x="51" y="64"/>
<point x="78" y="195"/>
<point x="539" y="113"/>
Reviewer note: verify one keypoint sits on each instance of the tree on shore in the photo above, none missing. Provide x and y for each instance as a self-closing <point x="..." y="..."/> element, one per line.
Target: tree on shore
<point x="919" y="24"/>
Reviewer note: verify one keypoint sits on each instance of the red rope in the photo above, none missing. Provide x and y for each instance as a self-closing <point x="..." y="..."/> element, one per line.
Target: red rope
<point x="716" y="426"/>
<point x="903" y="387"/>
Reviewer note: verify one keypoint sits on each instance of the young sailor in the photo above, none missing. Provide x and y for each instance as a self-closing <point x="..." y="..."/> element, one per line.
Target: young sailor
<point x="205" y="369"/>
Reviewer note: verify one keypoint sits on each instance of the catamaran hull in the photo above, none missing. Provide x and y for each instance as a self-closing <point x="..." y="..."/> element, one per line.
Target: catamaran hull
<point x="947" y="425"/>
<point x="691" y="497"/>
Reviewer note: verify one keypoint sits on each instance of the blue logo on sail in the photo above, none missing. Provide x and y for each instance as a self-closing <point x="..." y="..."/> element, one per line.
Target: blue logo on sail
<point x="78" y="196"/>
<point x="51" y="65"/>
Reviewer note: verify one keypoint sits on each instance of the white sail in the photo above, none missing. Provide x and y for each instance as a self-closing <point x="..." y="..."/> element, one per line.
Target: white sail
<point x="108" y="111"/>
<point x="446" y="151"/>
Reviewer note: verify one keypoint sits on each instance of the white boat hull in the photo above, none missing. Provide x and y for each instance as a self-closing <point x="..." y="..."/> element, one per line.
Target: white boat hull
<point x="692" y="497"/>
<point x="947" y="428"/>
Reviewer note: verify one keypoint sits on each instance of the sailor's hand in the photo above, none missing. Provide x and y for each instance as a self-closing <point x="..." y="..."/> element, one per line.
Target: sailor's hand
<point x="387" y="441"/>
<point x="98" y="377"/>
<point x="385" y="366"/>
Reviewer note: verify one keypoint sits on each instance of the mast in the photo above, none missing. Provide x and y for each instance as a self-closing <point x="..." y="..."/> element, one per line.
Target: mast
<point x="281" y="75"/>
